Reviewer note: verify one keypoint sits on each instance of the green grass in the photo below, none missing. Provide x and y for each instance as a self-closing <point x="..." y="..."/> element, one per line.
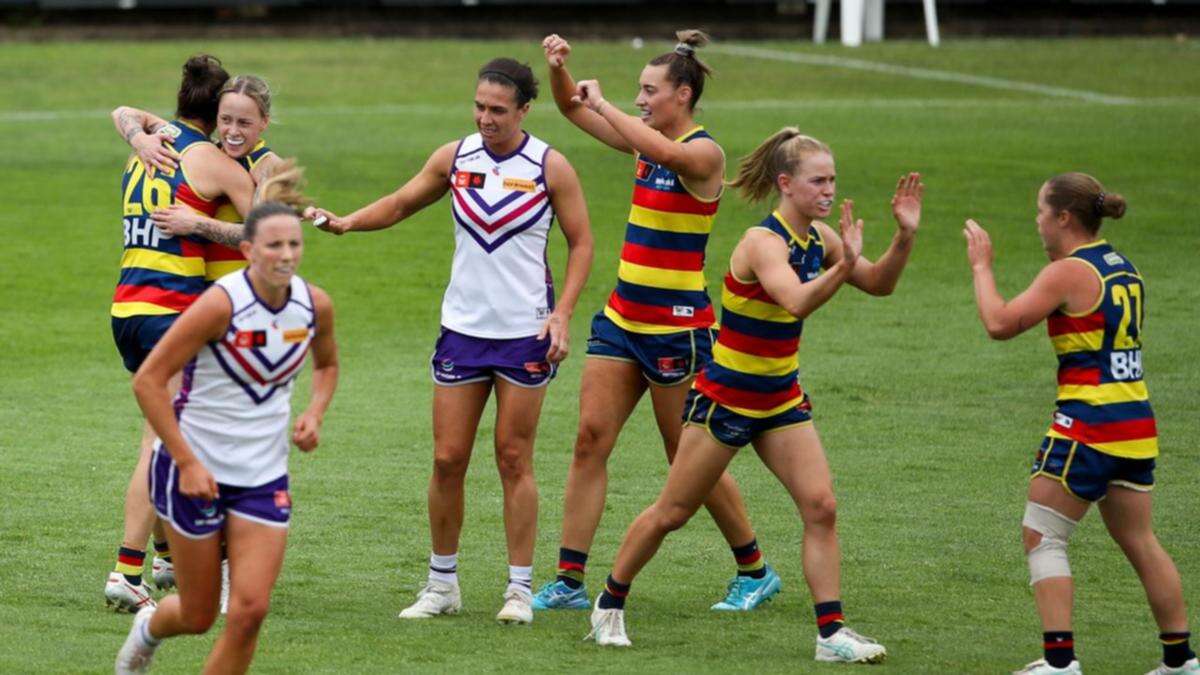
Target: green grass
<point x="930" y="427"/>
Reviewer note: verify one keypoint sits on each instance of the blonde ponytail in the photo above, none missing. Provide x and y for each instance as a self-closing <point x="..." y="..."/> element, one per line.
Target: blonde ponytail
<point x="781" y="153"/>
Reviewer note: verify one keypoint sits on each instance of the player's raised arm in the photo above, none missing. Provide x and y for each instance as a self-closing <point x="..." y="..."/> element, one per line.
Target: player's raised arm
<point x="563" y="86"/>
<point x="881" y="276"/>
<point x="203" y="322"/>
<point x="1057" y="285"/>
<point x="423" y="189"/>
<point x="139" y="129"/>
<point x="765" y="257"/>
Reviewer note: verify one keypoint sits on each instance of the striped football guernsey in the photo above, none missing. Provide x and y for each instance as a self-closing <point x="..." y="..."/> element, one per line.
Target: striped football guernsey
<point x="660" y="281"/>
<point x="160" y="274"/>
<point x="1102" y="399"/>
<point x="220" y="259"/>
<point x="755" y="366"/>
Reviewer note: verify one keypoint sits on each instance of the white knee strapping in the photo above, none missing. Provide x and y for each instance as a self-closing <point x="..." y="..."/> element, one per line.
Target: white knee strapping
<point x="1049" y="558"/>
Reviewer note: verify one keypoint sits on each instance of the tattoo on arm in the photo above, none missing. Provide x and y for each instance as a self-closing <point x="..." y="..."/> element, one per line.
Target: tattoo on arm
<point x="229" y="234"/>
<point x="129" y="126"/>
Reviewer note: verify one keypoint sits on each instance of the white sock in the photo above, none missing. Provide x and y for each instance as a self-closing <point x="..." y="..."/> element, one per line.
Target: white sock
<point x="144" y="634"/>
<point x="520" y="578"/>
<point x="444" y="568"/>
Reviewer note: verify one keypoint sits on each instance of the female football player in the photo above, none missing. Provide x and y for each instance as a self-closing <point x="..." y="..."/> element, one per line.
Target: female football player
<point x="502" y="330"/>
<point x="220" y="471"/>
<point x="161" y="275"/>
<point x="750" y="392"/>
<point x="656" y="331"/>
<point x="1101" y="445"/>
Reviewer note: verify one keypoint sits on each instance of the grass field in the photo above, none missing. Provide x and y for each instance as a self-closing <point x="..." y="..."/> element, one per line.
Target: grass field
<point x="930" y="427"/>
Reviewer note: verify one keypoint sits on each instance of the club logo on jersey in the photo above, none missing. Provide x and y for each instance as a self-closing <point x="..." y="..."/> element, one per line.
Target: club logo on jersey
<point x="283" y="499"/>
<point x="469" y="179"/>
<point x="672" y="365"/>
<point x="520" y="185"/>
<point x="247" y="339"/>
<point x="644" y="169"/>
<point x="295" y="335"/>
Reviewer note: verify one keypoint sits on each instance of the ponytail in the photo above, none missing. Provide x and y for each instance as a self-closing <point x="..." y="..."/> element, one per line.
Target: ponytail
<point x="203" y="77"/>
<point x="782" y="153"/>
<point x="281" y="191"/>
<point x="1085" y="198"/>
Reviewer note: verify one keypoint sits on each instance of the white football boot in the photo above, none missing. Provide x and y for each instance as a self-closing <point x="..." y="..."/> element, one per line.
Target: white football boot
<point x="123" y="596"/>
<point x="518" y="607"/>
<point x="136" y="653"/>
<point x="1189" y="667"/>
<point x="438" y="597"/>
<point x="224" y="587"/>
<point x="846" y="646"/>
<point x="162" y="572"/>
<point x="1041" y="667"/>
<point x="608" y="627"/>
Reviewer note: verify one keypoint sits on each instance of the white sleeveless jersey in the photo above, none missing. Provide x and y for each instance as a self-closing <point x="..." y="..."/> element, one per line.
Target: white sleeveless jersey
<point x="500" y="283"/>
<point x="234" y="406"/>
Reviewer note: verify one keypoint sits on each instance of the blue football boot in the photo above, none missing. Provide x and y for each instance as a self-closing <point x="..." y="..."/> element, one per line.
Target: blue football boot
<point x="746" y="593"/>
<point x="558" y="595"/>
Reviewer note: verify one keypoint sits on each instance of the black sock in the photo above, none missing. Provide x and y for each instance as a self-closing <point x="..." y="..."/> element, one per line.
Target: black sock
<point x="163" y="550"/>
<point x="571" y="564"/>
<point x="1176" y="650"/>
<point x="749" y="560"/>
<point x="1058" y="648"/>
<point x="614" y="595"/>
<point x="829" y="617"/>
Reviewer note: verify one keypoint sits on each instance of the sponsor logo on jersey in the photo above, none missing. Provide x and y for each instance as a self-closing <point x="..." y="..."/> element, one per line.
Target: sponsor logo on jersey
<point x="672" y="365"/>
<point x="683" y="310"/>
<point x="1113" y="258"/>
<point x="250" y="338"/>
<point x="447" y="365"/>
<point x="520" y="185"/>
<point x="469" y="179"/>
<point x="542" y="312"/>
<point x="1063" y="421"/>
<point x="283" y="499"/>
<point x="170" y="131"/>
<point x="643" y="170"/>
<point x="295" y="335"/>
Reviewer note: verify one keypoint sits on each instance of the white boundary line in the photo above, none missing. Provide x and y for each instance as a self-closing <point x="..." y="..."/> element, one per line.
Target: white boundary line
<point x="920" y="73"/>
<point x="385" y="110"/>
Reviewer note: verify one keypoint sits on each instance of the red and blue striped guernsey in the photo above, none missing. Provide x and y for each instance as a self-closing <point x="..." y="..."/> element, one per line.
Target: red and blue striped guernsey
<point x="660" y="281"/>
<point x="220" y="259"/>
<point x="756" y="360"/>
<point x="160" y="274"/>
<point x="1102" y="399"/>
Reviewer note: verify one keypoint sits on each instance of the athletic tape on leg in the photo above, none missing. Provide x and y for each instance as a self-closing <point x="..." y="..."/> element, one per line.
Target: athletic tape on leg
<point x="1049" y="558"/>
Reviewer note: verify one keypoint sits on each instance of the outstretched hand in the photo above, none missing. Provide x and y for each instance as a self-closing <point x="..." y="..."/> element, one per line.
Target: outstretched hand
<point x="852" y="233"/>
<point x="979" y="245"/>
<point x="556" y="49"/>
<point x="327" y="220"/>
<point x="906" y="203"/>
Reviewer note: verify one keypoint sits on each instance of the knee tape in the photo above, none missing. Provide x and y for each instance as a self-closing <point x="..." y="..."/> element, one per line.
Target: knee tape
<point x="1049" y="558"/>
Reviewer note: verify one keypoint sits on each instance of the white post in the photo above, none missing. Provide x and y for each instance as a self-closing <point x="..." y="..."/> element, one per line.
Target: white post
<point x="874" y="21"/>
<point x="931" y="24"/>
<point x="821" y="21"/>
<point x="852" y="22"/>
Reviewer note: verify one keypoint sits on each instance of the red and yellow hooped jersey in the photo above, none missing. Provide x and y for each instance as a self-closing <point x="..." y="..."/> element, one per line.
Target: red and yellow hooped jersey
<point x="1102" y="397"/>
<point x="220" y="259"/>
<point x="660" y="281"/>
<point x="160" y="273"/>
<point x="755" y="363"/>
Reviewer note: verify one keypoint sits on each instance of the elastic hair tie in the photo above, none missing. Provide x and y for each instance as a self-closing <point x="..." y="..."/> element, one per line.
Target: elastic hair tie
<point x="684" y="49"/>
<point x="1098" y="206"/>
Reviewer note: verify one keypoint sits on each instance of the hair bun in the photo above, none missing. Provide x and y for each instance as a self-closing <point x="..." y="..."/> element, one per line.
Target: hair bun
<point x="1113" y="205"/>
<point x="692" y="37"/>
